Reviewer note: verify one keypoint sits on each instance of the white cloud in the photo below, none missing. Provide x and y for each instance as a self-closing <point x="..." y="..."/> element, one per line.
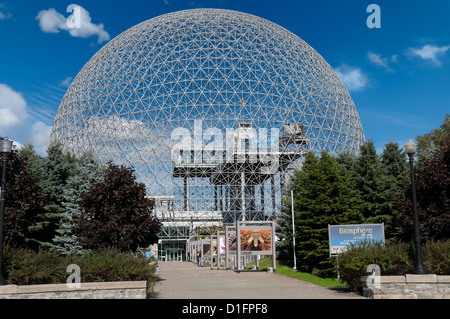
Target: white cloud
<point x="166" y="2"/>
<point x="52" y="21"/>
<point x="378" y="60"/>
<point x="383" y="62"/>
<point x="40" y="134"/>
<point x="12" y="108"/>
<point x="89" y="29"/>
<point x="17" y="122"/>
<point x="429" y="52"/>
<point x="66" y="82"/>
<point x="353" y="78"/>
<point x="3" y="14"/>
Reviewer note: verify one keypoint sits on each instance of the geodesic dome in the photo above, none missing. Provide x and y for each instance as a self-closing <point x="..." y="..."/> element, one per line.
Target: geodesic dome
<point x="203" y="72"/>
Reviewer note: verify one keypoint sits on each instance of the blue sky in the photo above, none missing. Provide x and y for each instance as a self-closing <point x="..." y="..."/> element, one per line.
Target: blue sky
<point x="398" y="75"/>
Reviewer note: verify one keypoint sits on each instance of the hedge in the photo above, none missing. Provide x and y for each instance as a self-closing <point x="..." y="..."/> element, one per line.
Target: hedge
<point x="393" y="259"/>
<point x="27" y="267"/>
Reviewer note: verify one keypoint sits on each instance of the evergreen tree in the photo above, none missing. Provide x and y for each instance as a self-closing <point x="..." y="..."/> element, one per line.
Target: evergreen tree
<point x="372" y="183"/>
<point x="57" y="168"/>
<point x="34" y="162"/>
<point x="324" y="194"/>
<point x="87" y="171"/>
<point x="347" y="161"/>
<point x="379" y="180"/>
<point x="283" y="228"/>
<point x="395" y="162"/>
<point x="395" y="167"/>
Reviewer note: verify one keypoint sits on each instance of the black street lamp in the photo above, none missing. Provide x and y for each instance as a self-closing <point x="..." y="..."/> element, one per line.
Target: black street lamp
<point x="5" y="150"/>
<point x="419" y="268"/>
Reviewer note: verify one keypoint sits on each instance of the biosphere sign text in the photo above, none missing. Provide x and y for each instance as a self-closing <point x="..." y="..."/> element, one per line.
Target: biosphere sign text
<point x="342" y="236"/>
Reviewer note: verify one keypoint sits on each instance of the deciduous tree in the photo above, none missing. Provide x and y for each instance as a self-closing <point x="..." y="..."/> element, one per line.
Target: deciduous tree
<point x="24" y="202"/>
<point x="432" y="179"/>
<point x="115" y="212"/>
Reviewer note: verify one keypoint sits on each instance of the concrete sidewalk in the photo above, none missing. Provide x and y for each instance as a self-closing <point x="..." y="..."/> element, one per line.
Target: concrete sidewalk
<point x="185" y="280"/>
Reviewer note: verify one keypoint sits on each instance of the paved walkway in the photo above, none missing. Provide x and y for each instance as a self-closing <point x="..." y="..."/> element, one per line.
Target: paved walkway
<point x="184" y="280"/>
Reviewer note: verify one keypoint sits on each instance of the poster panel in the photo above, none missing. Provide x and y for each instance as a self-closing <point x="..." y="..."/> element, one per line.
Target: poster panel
<point x="256" y="238"/>
<point x="232" y="242"/>
<point x="342" y="236"/>
<point x="257" y="241"/>
<point x="206" y="249"/>
<point x="222" y="245"/>
<point x="214" y="252"/>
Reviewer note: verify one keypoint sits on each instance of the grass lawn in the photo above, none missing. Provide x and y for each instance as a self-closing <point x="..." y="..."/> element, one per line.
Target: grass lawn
<point x="264" y="263"/>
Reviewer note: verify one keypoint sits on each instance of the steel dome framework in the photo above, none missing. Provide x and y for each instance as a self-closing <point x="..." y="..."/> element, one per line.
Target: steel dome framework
<point x="203" y="72"/>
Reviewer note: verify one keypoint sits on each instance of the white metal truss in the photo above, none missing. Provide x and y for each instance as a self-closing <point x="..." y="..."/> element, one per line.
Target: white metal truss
<point x="219" y="69"/>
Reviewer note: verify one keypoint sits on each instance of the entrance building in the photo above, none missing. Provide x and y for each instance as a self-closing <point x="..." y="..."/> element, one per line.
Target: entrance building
<point x="178" y="226"/>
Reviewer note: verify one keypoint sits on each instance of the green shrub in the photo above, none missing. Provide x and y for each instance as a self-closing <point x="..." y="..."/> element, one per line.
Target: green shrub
<point x="393" y="259"/>
<point x="112" y="265"/>
<point x="436" y="257"/>
<point x="27" y="267"/>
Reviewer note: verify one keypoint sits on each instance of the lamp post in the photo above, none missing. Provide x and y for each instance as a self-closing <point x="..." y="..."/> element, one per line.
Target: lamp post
<point x="5" y="150"/>
<point x="293" y="229"/>
<point x="419" y="268"/>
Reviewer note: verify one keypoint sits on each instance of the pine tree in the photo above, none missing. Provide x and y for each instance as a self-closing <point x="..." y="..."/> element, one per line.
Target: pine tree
<point x="372" y="183"/>
<point x="57" y="168"/>
<point x="347" y="161"/>
<point x="34" y="162"/>
<point x="283" y="228"/>
<point x="87" y="171"/>
<point x="324" y="194"/>
<point x="395" y="162"/>
<point x="395" y="167"/>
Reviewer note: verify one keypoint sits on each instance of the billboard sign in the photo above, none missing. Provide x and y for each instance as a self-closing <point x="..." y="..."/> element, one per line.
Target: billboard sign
<point x="231" y="240"/>
<point x="256" y="240"/>
<point x="341" y="236"/>
<point x="222" y="245"/>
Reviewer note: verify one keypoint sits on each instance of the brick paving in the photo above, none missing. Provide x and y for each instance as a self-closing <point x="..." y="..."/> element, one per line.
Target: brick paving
<point x="185" y="280"/>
